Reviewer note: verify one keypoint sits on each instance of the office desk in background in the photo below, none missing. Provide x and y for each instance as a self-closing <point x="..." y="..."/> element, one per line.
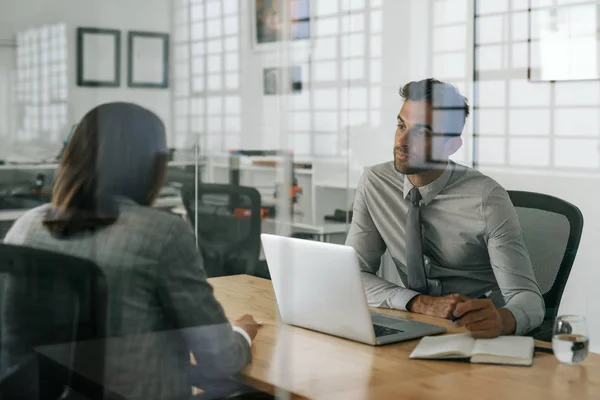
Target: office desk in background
<point x="313" y="365"/>
<point x="323" y="231"/>
<point x="161" y="203"/>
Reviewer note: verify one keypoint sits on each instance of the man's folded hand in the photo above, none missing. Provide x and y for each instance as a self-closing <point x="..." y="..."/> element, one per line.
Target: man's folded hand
<point x="442" y="307"/>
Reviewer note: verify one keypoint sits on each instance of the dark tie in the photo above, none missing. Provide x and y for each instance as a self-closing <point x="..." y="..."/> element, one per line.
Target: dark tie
<point x="414" y="244"/>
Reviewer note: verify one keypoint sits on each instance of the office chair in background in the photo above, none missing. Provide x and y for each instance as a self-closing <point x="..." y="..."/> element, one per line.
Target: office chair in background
<point x="51" y="299"/>
<point x="228" y="227"/>
<point x="551" y="231"/>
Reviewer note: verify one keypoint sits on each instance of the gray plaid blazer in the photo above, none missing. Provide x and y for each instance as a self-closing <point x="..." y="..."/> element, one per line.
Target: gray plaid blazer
<point x="160" y="305"/>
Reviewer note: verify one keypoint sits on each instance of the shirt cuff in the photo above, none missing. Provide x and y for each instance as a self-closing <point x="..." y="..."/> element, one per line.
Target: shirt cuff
<point x="402" y="297"/>
<point x="522" y="324"/>
<point x="243" y="333"/>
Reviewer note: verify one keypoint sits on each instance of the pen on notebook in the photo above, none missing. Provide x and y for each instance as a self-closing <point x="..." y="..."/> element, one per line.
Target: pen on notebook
<point x="486" y="295"/>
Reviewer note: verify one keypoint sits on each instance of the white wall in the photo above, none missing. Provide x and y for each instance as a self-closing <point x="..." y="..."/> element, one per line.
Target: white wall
<point x="125" y="15"/>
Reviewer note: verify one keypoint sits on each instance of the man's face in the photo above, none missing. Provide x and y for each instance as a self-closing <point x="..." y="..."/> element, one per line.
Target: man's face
<point x="420" y="142"/>
<point x="413" y="139"/>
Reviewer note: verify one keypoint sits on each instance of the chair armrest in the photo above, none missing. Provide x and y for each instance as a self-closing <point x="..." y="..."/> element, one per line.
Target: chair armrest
<point x="543" y="332"/>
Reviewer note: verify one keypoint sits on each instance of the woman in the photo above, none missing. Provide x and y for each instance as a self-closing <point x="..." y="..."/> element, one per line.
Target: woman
<point x="160" y="304"/>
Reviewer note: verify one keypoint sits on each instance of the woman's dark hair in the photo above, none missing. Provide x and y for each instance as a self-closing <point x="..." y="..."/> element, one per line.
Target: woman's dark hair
<point x="117" y="150"/>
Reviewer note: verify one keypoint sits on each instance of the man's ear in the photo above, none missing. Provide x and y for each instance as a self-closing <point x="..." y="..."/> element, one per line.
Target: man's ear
<point x="453" y="144"/>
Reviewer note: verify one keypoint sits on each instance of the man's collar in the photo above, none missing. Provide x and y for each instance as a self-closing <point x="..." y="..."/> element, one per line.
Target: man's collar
<point x="429" y="191"/>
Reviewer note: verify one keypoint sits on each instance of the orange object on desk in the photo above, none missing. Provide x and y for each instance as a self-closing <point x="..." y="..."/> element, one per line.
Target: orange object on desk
<point x="247" y="213"/>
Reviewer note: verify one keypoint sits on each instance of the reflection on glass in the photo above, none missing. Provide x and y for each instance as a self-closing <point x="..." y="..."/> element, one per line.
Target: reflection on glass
<point x="568" y="43"/>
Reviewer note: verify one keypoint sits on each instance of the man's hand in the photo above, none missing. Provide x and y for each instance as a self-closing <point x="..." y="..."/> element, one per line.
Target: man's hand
<point x="435" y="306"/>
<point x="248" y="324"/>
<point x="484" y="320"/>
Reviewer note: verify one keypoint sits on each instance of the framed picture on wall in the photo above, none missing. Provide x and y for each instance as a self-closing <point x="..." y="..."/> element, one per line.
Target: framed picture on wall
<point x="268" y="20"/>
<point x="147" y="60"/>
<point x="273" y="80"/>
<point x="564" y="41"/>
<point x="98" y="57"/>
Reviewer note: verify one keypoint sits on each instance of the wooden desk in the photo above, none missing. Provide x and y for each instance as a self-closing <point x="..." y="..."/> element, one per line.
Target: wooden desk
<point x="314" y="365"/>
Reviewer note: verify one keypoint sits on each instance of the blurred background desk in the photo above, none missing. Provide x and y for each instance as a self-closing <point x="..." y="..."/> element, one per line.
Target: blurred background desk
<point x="326" y="231"/>
<point x="27" y="185"/>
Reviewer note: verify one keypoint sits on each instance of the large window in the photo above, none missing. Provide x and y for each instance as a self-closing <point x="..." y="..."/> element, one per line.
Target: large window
<point x="207" y="74"/>
<point x="339" y="65"/>
<point x="344" y="79"/>
<point x="42" y="88"/>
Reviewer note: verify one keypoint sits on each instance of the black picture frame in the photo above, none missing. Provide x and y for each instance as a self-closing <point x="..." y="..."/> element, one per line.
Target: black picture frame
<point x="81" y="75"/>
<point x="131" y="81"/>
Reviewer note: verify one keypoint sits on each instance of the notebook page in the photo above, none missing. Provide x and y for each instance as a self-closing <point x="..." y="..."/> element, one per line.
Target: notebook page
<point x="446" y="346"/>
<point x="518" y="347"/>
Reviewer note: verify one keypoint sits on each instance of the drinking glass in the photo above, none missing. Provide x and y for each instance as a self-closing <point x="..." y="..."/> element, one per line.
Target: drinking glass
<point x="570" y="339"/>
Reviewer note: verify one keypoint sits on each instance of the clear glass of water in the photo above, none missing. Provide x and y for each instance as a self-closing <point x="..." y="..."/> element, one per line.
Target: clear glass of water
<point x="570" y="339"/>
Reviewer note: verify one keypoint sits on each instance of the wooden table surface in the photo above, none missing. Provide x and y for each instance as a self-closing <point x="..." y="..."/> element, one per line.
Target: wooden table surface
<point x="314" y="365"/>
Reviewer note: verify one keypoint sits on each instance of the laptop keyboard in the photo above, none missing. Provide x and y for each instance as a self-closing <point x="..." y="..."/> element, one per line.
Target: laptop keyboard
<point x="385" y="331"/>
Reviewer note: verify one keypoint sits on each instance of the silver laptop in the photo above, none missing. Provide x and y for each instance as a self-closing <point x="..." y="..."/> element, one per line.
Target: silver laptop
<point x="318" y="286"/>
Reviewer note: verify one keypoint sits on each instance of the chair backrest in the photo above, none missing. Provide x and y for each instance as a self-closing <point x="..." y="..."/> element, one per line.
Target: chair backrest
<point x="228" y="226"/>
<point x="52" y="299"/>
<point x="551" y="231"/>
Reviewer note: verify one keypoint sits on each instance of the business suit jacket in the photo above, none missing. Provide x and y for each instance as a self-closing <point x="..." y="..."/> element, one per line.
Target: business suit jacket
<point x="161" y="306"/>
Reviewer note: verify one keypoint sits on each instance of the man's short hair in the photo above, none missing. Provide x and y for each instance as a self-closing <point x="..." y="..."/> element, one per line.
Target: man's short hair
<point x="444" y="98"/>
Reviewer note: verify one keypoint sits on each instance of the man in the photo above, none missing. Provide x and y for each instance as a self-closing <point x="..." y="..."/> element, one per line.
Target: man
<point x="452" y="232"/>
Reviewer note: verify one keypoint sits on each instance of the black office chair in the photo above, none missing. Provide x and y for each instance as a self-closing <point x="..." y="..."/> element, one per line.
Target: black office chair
<point x="228" y="227"/>
<point x="551" y="231"/>
<point x="49" y="299"/>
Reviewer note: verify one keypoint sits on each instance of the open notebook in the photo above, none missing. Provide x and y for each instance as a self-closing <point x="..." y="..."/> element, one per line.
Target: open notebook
<point x="512" y="350"/>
